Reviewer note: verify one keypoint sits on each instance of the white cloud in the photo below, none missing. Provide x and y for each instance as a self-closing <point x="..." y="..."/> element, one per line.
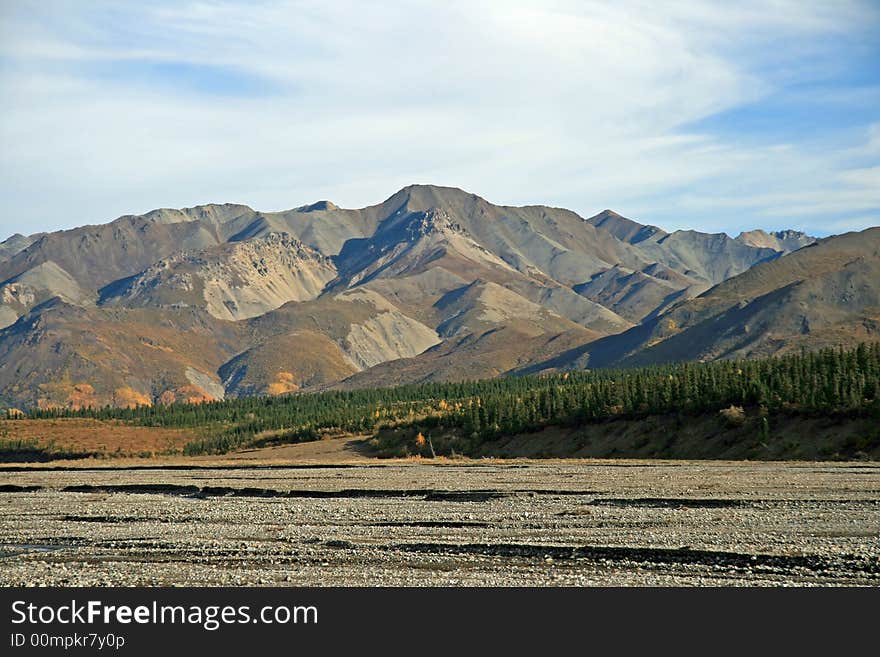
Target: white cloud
<point x="585" y="105"/>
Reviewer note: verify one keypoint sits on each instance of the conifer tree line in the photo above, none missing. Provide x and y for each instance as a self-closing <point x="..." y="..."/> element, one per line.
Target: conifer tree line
<point x="828" y="381"/>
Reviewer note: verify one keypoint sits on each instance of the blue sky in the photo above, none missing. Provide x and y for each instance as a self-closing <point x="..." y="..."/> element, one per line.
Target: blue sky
<point x="708" y="115"/>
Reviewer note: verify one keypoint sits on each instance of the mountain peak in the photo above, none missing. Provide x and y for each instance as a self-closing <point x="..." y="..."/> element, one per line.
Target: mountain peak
<point x="319" y="206"/>
<point x="780" y="240"/>
<point x="623" y="228"/>
<point x="419" y="198"/>
<point x="423" y="188"/>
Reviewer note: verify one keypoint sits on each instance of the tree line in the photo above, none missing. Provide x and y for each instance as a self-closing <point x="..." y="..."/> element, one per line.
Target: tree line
<point x="828" y="381"/>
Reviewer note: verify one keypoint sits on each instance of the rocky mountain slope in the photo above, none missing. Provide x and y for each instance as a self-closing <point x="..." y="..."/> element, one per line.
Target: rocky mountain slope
<point x="781" y="240"/>
<point x="231" y="281"/>
<point x="432" y="283"/>
<point x="826" y="294"/>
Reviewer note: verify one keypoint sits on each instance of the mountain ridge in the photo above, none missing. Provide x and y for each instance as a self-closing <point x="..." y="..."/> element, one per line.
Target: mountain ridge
<point x="432" y="283"/>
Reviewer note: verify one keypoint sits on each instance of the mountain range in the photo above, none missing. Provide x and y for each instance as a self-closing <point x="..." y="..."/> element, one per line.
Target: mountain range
<point x="434" y="283"/>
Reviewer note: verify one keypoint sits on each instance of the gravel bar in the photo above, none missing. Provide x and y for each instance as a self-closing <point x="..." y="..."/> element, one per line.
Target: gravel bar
<point x="457" y="523"/>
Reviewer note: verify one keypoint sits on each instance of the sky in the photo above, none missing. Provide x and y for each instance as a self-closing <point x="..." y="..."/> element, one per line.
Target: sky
<point x="714" y="116"/>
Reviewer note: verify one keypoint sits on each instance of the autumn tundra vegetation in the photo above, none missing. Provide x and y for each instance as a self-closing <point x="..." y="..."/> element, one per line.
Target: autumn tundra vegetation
<point x="460" y="417"/>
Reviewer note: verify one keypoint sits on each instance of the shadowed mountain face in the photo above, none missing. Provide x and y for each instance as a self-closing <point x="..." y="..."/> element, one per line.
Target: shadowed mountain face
<point x="432" y="283"/>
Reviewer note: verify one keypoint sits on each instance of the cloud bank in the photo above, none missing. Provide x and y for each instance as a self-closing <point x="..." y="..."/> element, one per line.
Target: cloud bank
<point x="698" y="115"/>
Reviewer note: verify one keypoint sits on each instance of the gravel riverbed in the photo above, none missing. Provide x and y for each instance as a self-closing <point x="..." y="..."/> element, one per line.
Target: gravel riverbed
<point x="467" y="523"/>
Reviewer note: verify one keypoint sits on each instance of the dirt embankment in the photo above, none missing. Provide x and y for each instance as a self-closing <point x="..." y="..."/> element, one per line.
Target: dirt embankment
<point x="711" y="436"/>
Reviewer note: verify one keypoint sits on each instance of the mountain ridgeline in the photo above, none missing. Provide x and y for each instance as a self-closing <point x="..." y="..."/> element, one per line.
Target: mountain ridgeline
<point x="433" y="284"/>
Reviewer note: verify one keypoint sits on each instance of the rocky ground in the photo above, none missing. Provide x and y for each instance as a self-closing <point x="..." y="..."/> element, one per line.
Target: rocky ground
<point x="461" y="523"/>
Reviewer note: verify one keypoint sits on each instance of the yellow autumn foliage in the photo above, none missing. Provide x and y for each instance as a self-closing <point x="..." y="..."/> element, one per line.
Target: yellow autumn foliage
<point x="282" y="385"/>
<point x="127" y="397"/>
